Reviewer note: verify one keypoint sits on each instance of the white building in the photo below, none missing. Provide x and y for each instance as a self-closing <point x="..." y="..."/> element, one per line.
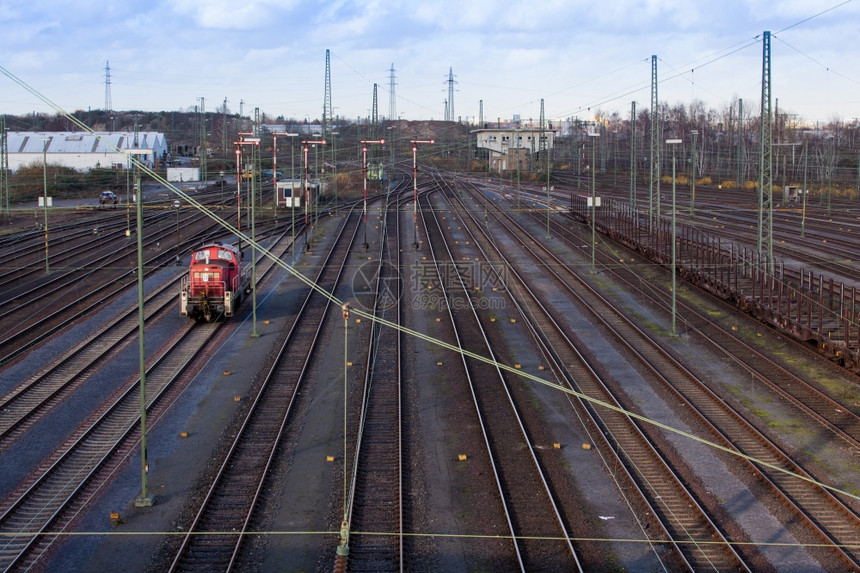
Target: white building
<point x="513" y="148"/>
<point x="84" y="151"/>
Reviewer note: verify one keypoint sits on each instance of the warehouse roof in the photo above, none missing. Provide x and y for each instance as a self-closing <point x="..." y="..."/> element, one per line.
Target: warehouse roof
<point x="81" y="142"/>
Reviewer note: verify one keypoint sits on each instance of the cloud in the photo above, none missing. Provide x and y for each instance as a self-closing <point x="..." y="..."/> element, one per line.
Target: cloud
<point x="231" y="15"/>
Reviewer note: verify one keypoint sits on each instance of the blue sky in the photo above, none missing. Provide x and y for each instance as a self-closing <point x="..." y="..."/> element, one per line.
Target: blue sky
<point x="578" y="56"/>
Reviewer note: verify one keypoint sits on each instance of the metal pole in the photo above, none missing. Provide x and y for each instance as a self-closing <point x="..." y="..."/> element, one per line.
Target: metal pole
<point x="364" y="183"/>
<point x="364" y="143"/>
<point x="415" y="143"/>
<point x="673" y="142"/>
<point x="145" y="500"/>
<point x="293" y="193"/>
<point x="803" y="210"/>
<point x="546" y="149"/>
<point x="593" y="198"/>
<point x="674" y="245"/>
<point x="275" y="171"/>
<point x="252" y="190"/>
<point x="254" y="154"/>
<point x="45" y="187"/>
<point x="305" y="176"/>
<point x="695" y="133"/>
<point x="415" y="194"/>
<point x="343" y="547"/>
<point x="238" y="188"/>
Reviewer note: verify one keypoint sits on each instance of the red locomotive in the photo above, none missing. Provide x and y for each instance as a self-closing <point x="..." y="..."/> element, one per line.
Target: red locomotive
<point x="215" y="284"/>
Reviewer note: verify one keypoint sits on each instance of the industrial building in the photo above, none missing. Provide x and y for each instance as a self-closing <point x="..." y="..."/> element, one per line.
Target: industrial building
<point x="514" y="148"/>
<point x="83" y="151"/>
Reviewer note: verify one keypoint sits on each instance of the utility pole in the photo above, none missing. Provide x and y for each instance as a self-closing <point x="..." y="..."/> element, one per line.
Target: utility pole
<point x="224" y="130"/>
<point x="145" y="499"/>
<point x="449" y="106"/>
<point x="654" y="182"/>
<point x="593" y="134"/>
<point x="327" y="109"/>
<point x="203" y="143"/>
<point x="108" y="101"/>
<point x="364" y="143"/>
<point x="632" y="202"/>
<point x="305" y="178"/>
<point x="544" y="154"/>
<point x="765" y="179"/>
<point x="46" y="141"/>
<point x="392" y="98"/>
<point x="673" y="143"/>
<point x="4" y="168"/>
<point x="741" y="148"/>
<point x="695" y="133"/>
<point x="255" y="143"/>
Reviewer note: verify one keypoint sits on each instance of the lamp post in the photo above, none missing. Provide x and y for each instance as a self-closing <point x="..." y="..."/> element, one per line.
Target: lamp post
<point x="364" y="143"/>
<point x="144" y="499"/>
<point x="595" y="134"/>
<point x="415" y="143"/>
<point x="673" y="143"/>
<point x="255" y="142"/>
<point x="45" y="198"/>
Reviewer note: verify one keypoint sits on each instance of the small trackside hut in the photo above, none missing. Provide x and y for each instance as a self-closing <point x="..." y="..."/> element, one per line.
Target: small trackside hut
<point x="216" y="282"/>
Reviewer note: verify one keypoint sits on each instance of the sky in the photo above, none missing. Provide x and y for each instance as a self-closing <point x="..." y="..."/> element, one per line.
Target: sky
<point x="579" y="57"/>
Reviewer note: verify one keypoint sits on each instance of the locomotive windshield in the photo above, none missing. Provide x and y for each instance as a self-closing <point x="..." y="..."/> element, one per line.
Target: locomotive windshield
<point x="222" y="254"/>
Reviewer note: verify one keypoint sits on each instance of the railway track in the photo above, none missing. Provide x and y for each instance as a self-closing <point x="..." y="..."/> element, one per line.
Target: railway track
<point x="23" y="406"/>
<point x="50" y="503"/>
<point x="820" y="511"/>
<point x="375" y="506"/>
<point x="43" y="506"/>
<point x="70" y="297"/>
<point x="534" y="524"/>
<point x="217" y="531"/>
<point x="688" y="536"/>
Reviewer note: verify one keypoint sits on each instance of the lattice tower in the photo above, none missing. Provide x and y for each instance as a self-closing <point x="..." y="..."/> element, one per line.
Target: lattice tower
<point x="108" y="102"/>
<point x="654" y="181"/>
<point x="765" y="178"/>
<point x="327" y="109"/>
<point x="741" y="175"/>
<point x="392" y="98"/>
<point x="4" y="167"/>
<point x="449" y="107"/>
<point x="632" y="156"/>
<point x="203" y="142"/>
